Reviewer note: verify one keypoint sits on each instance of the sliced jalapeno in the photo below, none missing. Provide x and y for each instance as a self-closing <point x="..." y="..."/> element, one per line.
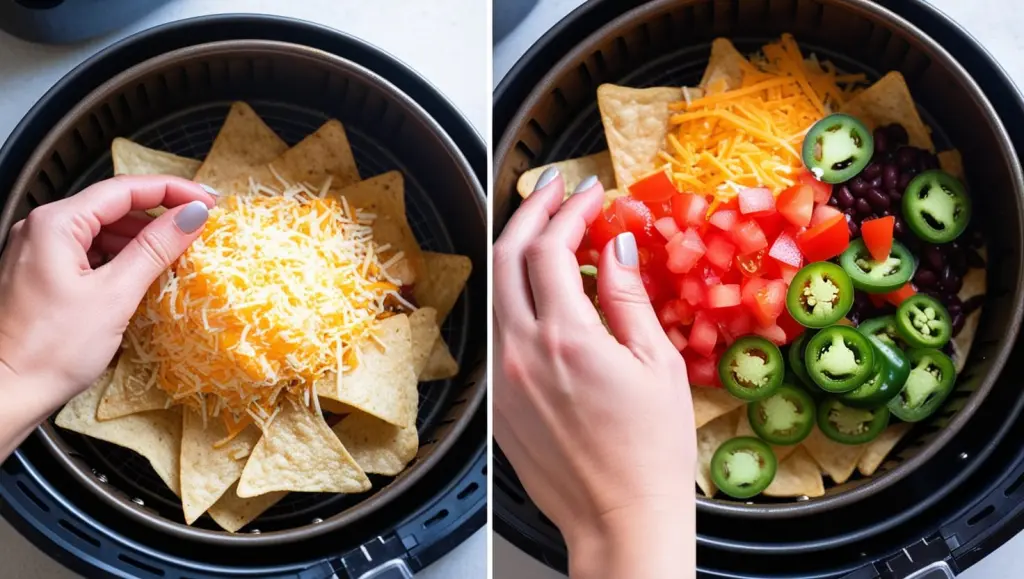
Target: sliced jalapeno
<point x="795" y="357"/>
<point x="883" y="328"/>
<point x="890" y="374"/>
<point x="743" y="467"/>
<point x="820" y="295"/>
<point x="752" y="368"/>
<point x="878" y="276"/>
<point x="848" y="425"/>
<point x="837" y="148"/>
<point x="931" y="379"/>
<point x="784" y="418"/>
<point x="936" y="206"/>
<point x="923" y="322"/>
<point x="839" y="359"/>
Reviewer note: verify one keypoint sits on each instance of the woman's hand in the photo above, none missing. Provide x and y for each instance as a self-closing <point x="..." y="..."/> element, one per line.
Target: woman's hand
<point x="599" y="427"/>
<point x="62" y="314"/>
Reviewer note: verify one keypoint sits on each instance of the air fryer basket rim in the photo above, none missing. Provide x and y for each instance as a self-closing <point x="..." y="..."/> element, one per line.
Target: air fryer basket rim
<point x="394" y="488"/>
<point x="720" y="507"/>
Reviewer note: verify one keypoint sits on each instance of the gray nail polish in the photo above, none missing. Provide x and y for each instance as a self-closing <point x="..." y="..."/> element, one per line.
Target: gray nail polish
<point x="193" y="216"/>
<point x="209" y="190"/>
<point x="586" y="184"/>
<point x="546" y="178"/>
<point x="625" y="249"/>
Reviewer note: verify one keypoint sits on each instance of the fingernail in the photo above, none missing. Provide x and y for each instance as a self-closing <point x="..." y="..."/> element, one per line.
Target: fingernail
<point x="625" y="249"/>
<point x="586" y="184"/>
<point x="209" y="190"/>
<point x="546" y="178"/>
<point x="193" y="216"/>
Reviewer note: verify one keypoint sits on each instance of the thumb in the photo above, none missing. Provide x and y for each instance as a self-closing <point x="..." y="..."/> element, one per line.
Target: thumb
<point x="624" y="301"/>
<point x="157" y="247"/>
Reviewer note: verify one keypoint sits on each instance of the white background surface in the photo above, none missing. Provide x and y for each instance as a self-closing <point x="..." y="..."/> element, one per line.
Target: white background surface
<point x="445" y="41"/>
<point x="996" y="23"/>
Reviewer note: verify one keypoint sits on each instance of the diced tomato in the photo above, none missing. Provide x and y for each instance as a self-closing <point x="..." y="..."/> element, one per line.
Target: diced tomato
<point x="823" y="213"/>
<point x="755" y="265"/>
<point x="667" y="227"/>
<point x="703" y="334"/>
<point x="796" y="204"/>
<point x="690" y="210"/>
<point x="877" y="234"/>
<point x="825" y="240"/>
<point x="636" y="218"/>
<point x="897" y="297"/>
<point x="685" y="312"/>
<point x="739" y="321"/>
<point x="787" y="273"/>
<point x="732" y="276"/>
<point x="767" y="302"/>
<point x="667" y="314"/>
<point x="749" y="237"/>
<point x="772" y="225"/>
<point x="773" y="333"/>
<point x="702" y="370"/>
<point x="605" y="228"/>
<point x="653" y="189"/>
<point x="587" y="256"/>
<point x="878" y="300"/>
<point x="693" y="290"/>
<point x="651" y="285"/>
<point x="756" y="201"/>
<point x="785" y="251"/>
<point x="710" y="276"/>
<point x="659" y="210"/>
<point x="675" y="335"/>
<point x="723" y="296"/>
<point x="792" y="327"/>
<point x="822" y="191"/>
<point x="724" y="219"/>
<point x="684" y="251"/>
<point x="720" y="250"/>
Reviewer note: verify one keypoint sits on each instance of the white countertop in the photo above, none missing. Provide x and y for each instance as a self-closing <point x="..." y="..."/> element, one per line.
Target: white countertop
<point x="445" y="41"/>
<point x="996" y="23"/>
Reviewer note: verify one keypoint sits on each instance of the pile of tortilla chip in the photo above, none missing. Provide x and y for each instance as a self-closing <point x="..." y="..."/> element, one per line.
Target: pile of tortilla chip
<point x="373" y="415"/>
<point x="636" y="125"/>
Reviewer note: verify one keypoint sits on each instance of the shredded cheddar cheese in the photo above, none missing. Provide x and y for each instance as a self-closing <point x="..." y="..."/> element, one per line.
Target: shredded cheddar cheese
<point x="271" y="297"/>
<point x="750" y="136"/>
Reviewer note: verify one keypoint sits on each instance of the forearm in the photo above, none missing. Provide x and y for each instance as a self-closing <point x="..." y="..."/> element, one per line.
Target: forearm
<point x="650" y="543"/>
<point x="22" y="408"/>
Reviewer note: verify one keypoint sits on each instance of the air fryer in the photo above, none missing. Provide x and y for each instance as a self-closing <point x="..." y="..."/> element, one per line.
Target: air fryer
<point x="100" y="509"/>
<point x="948" y="493"/>
<point x="68" y="21"/>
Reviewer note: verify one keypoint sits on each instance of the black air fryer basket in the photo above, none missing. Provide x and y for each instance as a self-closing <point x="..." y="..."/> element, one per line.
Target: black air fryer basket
<point x="99" y="508"/>
<point x="947" y="484"/>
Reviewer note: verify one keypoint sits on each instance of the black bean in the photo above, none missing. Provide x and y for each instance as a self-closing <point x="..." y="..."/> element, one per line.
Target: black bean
<point x="973" y="304"/>
<point x="886" y="157"/>
<point x="928" y="161"/>
<point x="886" y="213"/>
<point x="974" y="258"/>
<point x="863" y="207"/>
<point x="879" y="201"/>
<point x="843" y="197"/>
<point x="832" y="201"/>
<point x="858" y="186"/>
<point x="897" y="134"/>
<point x="933" y="257"/>
<point x="904" y="180"/>
<point x="954" y="310"/>
<point x="873" y="170"/>
<point x="976" y="239"/>
<point x="895" y="195"/>
<point x="907" y="157"/>
<point x="925" y="279"/>
<point x="958" y="261"/>
<point x="913" y="172"/>
<point x="854" y="229"/>
<point x="881" y="140"/>
<point x="954" y="302"/>
<point x="890" y="177"/>
<point x="947" y="349"/>
<point x="899" y="228"/>
<point x="958" y="324"/>
<point x="875" y="183"/>
<point x="954" y="285"/>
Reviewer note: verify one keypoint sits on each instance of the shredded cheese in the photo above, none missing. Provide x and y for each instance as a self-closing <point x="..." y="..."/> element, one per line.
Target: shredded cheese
<point x="751" y="136"/>
<point x="271" y="298"/>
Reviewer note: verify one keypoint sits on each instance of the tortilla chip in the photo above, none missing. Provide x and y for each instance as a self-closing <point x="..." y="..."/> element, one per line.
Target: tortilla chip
<point x="383" y="381"/>
<point x="244" y="143"/>
<point x="384" y="196"/>
<point x="132" y="390"/>
<point x="441" y="365"/>
<point x="573" y="172"/>
<point x="208" y="472"/>
<point x="325" y="153"/>
<point x="836" y="460"/>
<point x="232" y="512"/>
<point x="889" y="101"/>
<point x="335" y="407"/>
<point x="880" y="447"/>
<point x="710" y="403"/>
<point x="131" y="158"/>
<point x="300" y="454"/>
<point x="975" y="284"/>
<point x="709" y="438"/>
<point x="952" y="162"/>
<point x="376" y="446"/>
<point x="156" y="435"/>
<point x="797" y="476"/>
<point x="635" y="126"/>
<point x="743" y="428"/>
<point x="725" y="68"/>
<point x="443" y="283"/>
<point x="425" y="333"/>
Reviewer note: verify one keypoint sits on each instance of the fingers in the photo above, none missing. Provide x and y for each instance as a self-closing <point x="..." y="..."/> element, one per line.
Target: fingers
<point x="156" y="248"/>
<point x="107" y="243"/>
<point x="551" y="258"/>
<point x="128" y="226"/>
<point x="625" y="303"/>
<point x="512" y="296"/>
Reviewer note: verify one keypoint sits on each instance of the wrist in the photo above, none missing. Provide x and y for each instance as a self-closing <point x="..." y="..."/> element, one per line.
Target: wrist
<point x="22" y="410"/>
